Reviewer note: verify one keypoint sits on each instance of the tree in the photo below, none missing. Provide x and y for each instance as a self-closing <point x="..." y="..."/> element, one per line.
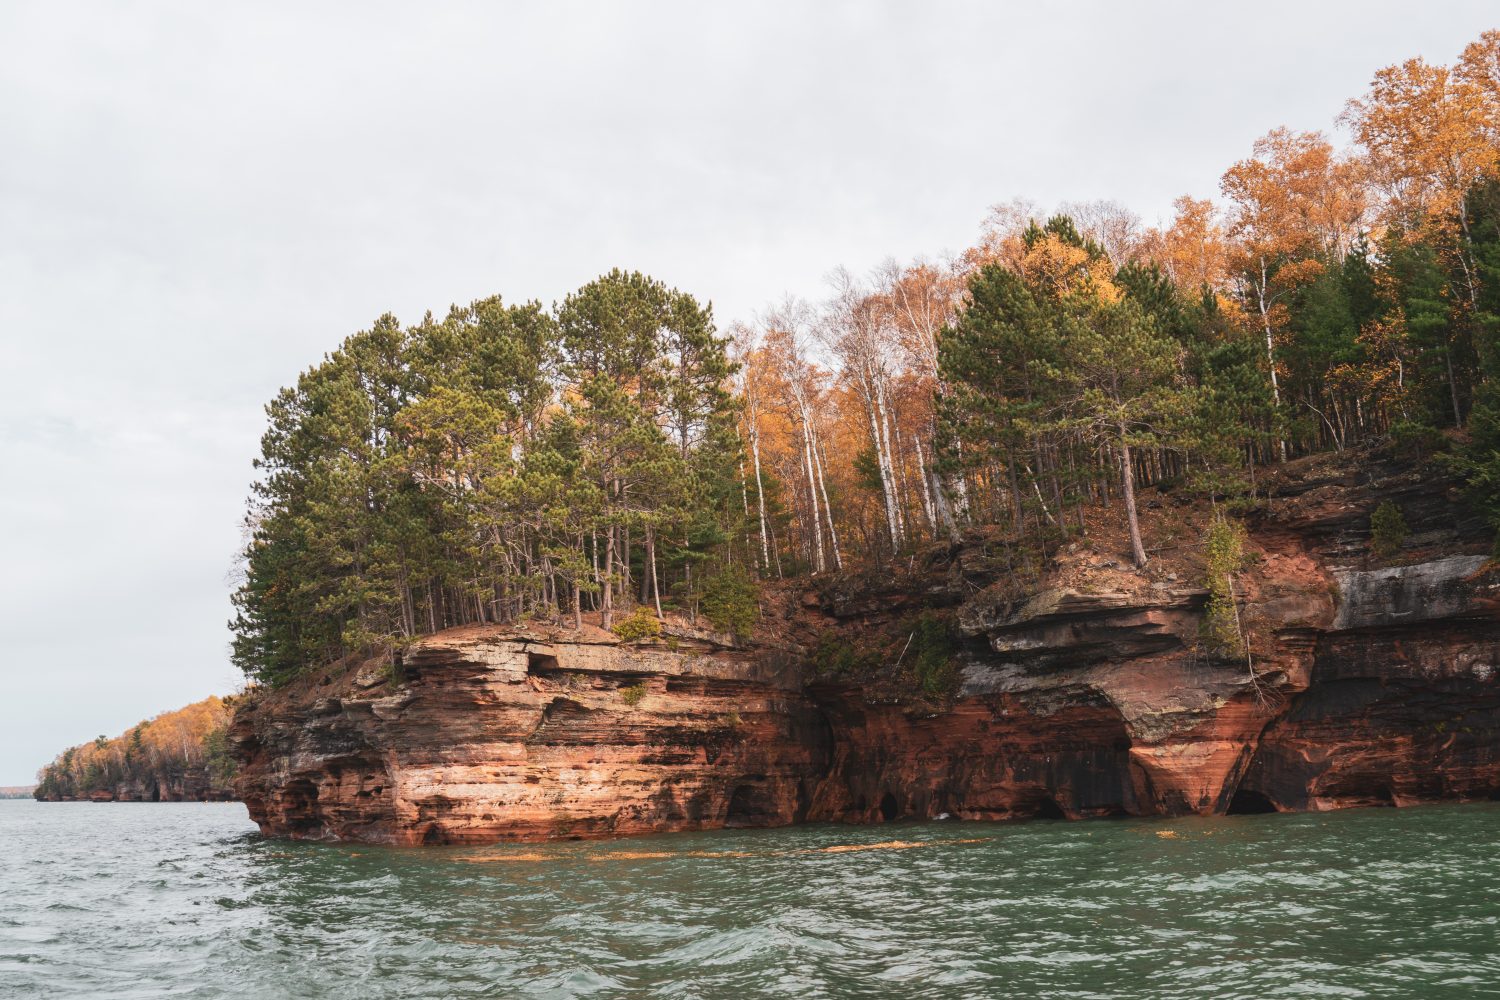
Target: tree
<point x="1295" y="206"/>
<point x="1118" y="380"/>
<point x="1193" y="250"/>
<point x="182" y="752"/>
<point x="861" y="333"/>
<point x="503" y="462"/>
<point x="1431" y="136"/>
<point x="989" y="359"/>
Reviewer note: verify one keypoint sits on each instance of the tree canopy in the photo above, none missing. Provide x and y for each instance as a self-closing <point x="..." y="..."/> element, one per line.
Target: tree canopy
<point x="615" y="451"/>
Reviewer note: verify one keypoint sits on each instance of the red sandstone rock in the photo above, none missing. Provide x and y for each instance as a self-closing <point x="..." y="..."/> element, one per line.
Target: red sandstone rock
<point x="1370" y="686"/>
<point x="496" y="734"/>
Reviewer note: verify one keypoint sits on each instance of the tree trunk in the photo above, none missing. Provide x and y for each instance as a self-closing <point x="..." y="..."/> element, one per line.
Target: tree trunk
<point x="1127" y="484"/>
<point x="760" y="500"/>
<point x="607" y="605"/>
<point x="1458" y="417"/>
<point x="833" y="532"/>
<point x="1265" y="319"/>
<point x="883" y="455"/>
<point x="812" y="494"/>
<point x="651" y="555"/>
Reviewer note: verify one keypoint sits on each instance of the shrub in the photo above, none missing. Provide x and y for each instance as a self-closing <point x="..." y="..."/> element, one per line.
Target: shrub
<point x="834" y="656"/>
<point x="633" y="694"/>
<point x="638" y="626"/>
<point x="1224" y="553"/>
<point x="931" y="655"/>
<point x="392" y="672"/>
<point x="731" y="601"/>
<point x="1388" y="531"/>
<point x="1417" y="440"/>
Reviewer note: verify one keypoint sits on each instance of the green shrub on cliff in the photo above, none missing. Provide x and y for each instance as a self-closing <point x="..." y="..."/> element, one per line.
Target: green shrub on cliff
<point x="633" y="694"/>
<point x="731" y="601"/>
<point x="930" y="654"/>
<point x="1224" y="554"/>
<point x="638" y="627"/>
<point x="218" y="758"/>
<point x="836" y="657"/>
<point x="1388" y="531"/>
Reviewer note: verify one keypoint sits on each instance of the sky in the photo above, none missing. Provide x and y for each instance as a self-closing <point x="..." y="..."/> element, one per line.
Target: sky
<point x="197" y="201"/>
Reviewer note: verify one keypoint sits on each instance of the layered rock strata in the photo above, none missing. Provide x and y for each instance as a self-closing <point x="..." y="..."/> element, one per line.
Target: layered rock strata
<point x="1362" y="685"/>
<point x="196" y="786"/>
<point x="494" y="733"/>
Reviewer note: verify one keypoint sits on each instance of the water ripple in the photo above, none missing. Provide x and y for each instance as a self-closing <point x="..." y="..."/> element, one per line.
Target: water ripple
<point x="184" y="900"/>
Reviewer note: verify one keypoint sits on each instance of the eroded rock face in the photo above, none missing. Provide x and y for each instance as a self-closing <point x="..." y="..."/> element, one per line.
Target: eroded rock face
<point x="495" y="734"/>
<point x="195" y="786"/>
<point x="1363" y="686"/>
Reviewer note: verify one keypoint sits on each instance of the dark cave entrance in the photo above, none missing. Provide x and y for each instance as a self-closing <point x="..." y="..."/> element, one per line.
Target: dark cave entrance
<point x="300" y="806"/>
<point x="889" y="810"/>
<point x="1247" y="802"/>
<point x="1049" y="809"/>
<point x="751" y="805"/>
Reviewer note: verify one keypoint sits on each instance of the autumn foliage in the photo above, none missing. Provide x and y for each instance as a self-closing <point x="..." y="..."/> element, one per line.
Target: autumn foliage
<point x="175" y="754"/>
<point x="619" y="451"/>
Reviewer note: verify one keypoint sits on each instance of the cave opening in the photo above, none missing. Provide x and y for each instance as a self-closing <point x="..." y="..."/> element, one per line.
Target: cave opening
<point x="1248" y="802"/>
<point x="1048" y="808"/>
<point x="300" y="805"/>
<point x="748" y="806"/>
<point x="889" y="810"/>
<point x="541" y="664"/>
<point x="804" y="801"/>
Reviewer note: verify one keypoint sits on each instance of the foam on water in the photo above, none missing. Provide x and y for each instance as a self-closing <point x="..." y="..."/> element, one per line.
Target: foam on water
<point x="185" y="900"/>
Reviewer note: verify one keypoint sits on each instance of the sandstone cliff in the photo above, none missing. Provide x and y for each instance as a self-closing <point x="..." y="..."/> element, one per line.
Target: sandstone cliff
<point x="1085" y="693"/>
<point x="198" y="786"/>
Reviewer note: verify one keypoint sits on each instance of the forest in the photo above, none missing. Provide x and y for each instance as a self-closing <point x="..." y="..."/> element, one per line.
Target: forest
<point x="184" y="750"/>
<point x="617" y="455"/>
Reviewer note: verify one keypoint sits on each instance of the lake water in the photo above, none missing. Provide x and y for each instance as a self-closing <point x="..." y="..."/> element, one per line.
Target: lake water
<point x="140" y="900"/>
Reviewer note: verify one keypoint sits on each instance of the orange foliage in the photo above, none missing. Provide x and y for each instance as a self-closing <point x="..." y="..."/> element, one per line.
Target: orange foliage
<point x="1431" y="131"/>
<point x="1193" y="250"/>
<point x="168" y="744"/>
<point x="860" y="378"/>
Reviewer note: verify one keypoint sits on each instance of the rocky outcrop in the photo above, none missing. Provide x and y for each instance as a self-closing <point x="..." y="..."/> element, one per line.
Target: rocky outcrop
<point x="194" y="786"/>
<point x="494" y="733"/>
<point x="1088" y="696"/>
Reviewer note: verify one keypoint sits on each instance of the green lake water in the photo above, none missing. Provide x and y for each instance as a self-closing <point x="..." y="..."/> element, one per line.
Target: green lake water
<point x="186" y="900"/>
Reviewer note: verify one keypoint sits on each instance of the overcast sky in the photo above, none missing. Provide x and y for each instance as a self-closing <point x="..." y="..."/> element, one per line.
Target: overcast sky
<point x="198" y="200"/>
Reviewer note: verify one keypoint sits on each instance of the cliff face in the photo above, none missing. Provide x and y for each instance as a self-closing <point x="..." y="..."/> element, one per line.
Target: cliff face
<point x="495" y="733"/>
<point x="195" y="786"/>
<point x="1085" y="696"/>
